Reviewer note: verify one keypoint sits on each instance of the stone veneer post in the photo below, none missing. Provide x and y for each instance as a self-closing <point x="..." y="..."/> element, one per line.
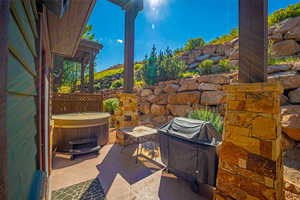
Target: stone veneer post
<point x="250" y="162"/>
<point x="127" y="114"/>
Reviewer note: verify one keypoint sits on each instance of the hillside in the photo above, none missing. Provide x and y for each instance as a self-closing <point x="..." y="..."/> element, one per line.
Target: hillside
<point x="221" y="54"/>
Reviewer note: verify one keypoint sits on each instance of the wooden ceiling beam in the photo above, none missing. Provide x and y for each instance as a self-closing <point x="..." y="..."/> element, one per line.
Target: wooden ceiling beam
<point x="253" y="40"/>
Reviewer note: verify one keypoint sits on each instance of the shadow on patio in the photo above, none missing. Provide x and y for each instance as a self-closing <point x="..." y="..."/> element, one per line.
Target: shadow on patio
<point x="120" y="177"/>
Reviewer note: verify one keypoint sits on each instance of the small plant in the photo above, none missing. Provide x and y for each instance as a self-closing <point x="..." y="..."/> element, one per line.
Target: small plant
<point x="205" y="67"/>
<point x="117" y="83"/>
<point x="227" y="66"/>
<point x="111" y="105"/>
<point x="188" y="74"/>
<point x="205" y="115"/>
<point x="193" y="44"/>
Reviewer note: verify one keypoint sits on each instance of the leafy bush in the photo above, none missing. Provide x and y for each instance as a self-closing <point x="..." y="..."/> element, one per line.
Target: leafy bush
<point x="111" y="105"/>
<point x="193" y="44"/>
<point x="117" y="83"/>
<point x="282" y="14"/>
<point x="283" y="60"/>
<point x="161" y="67"/>
<point x="225" y="64"/>
<point x="205" y="67"/>
<point x="234" y="33"/>
<point x="205" y="115"/>
<point x="188" y="74"/>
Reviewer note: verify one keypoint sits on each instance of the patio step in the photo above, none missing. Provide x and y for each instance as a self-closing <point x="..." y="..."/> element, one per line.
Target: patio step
<point x="83" y="141"/>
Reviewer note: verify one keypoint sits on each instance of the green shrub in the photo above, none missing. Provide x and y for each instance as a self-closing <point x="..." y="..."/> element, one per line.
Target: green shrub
<point x="205" y="67"/>
<point x="193" y="44"/>
<point x="205" y="115"/>
<point x="108" y="73"/>
<point x="225" y="64"/>
<point x="117" y="83"/>
<point x="161" y="67"/>
<point x="284" y="13"/>
<point x="111" y="105"/>
<point x="234" y="33"/>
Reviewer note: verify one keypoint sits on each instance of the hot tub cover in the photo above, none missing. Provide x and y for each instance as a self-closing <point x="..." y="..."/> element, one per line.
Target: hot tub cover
<point x="192" y="130"/>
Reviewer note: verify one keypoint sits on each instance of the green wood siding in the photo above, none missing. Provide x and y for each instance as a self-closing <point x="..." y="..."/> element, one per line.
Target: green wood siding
<point x="21" y="108"/>
<point x="19" y="80"/>
<point x="18" y="46"/>
<point x="19" y="13"/>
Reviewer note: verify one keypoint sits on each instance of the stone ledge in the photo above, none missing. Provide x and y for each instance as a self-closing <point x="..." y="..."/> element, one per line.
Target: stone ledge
<point x="254" y="87"/>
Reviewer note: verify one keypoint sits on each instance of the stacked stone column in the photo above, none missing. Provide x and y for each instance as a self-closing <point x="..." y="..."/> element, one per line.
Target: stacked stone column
<point x="126" y="116"/>
<point x="250" y="163"/>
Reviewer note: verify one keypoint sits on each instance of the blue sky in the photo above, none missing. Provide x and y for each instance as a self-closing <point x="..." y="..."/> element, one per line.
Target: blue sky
<point x="165" y="23"/>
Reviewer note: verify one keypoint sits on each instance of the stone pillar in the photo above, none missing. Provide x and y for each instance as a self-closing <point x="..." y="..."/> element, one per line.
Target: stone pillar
<point x="250" y="162"/>
<point x="127" y="114"/>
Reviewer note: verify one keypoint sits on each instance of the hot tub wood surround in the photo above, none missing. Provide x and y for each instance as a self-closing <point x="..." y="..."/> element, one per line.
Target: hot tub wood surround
<point x="75" y="126"/>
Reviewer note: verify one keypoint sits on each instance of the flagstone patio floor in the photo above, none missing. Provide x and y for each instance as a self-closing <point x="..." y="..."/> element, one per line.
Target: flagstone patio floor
<point x="120" y="177"/>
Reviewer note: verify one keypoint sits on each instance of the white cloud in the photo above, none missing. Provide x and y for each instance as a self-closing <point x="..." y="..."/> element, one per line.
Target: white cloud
<point x="153" y="26"/>
<point x="120" y="41"/>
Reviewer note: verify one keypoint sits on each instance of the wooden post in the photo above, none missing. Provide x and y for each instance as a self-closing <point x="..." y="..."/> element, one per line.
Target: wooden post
<point x="4" y="20"/>
<point x="253" y="40"/>
<point x="130" y="16"/>
<point x="91" y="73"/>
<point x="83" y="66"/>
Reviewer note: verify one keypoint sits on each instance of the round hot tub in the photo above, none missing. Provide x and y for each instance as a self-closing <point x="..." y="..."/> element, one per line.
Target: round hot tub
<point x="71" y="127"/>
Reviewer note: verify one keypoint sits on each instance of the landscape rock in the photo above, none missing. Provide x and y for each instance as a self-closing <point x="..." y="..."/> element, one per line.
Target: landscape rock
<point x="296" y="66"/>
<point x="184" y="98"/>
<point x="160" y="119"/>
<point x="158" y="90"/>
<point x="160" y="99"/>
<point x="209" y="49"/>
<point x="287" y="143"/>
<point x="212" y="97"/>
<point x="202" y="57"/>
<point x="276" y="37"/>
<point x="290" y="121"/>
<point x="188" y="85"/>
<point x="158" y="109"/>
<point x="284" y="100"/>
<point x="287" y="25"/>
<point x="293" y="33"/>
<point x="234" y="54"/>
<point x="171" y="88"/>
<point x="193" y="65"/>
<point x="278" y="68"/>
<point x="289" y="80"/>
<point x="146" y="92"/>
<point x="179" y="110"/>
<point x="294" y="96"/>
<point x="216" y="59"/>
<point x="285" y="48"/>
<point x="145" y="108"/>
<point x="235" y="63"/>
<point x="214" y="78"/>
<point x="209" y="86"/>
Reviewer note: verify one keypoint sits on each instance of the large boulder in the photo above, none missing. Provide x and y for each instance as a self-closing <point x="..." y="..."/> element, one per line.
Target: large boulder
<point x="209" y="49"/>
<point x="202" y="57"/>
<point x="188" y="85"/>
<point x="287" y="24"/>
<point x="184" y="98"/>
<point x="212" y="97"/>
<point x="294" y="96"/>
<point x="160" y="99"/>
<point x="179" y="110"/>
<point x="290" y="121"/>
<point x="209" y="86"/>
<point x="158" y="109"/>
<point x="158" y="90"/>
<point x="278" y="68"/>
<point x="289" y="80"/>
<point x="285" y="48"/>
<point x="171" y="88"/>
<point x="160" y="119"/>
<point x="293" y="33"/>
<point x="146" y="92"/>
<point x="234" y="54"/>
<point x="214" y="78"/>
